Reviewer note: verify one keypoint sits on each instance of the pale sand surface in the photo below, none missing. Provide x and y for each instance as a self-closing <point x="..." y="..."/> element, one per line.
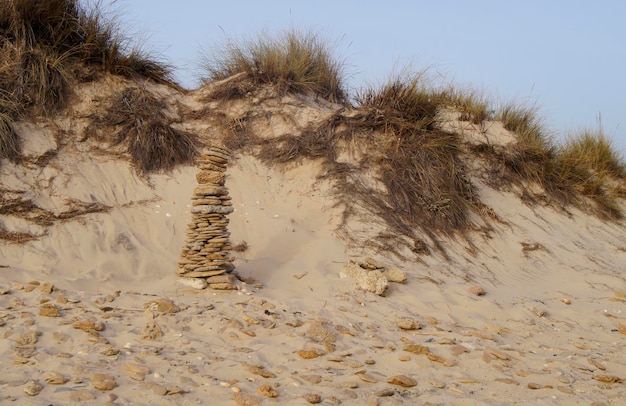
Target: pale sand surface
<point x="550" y="329"/>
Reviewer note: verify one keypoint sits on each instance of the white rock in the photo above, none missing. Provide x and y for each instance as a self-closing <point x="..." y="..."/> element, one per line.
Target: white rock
<point x="195" y="283"/>
<point x="373" y="281"/>
<point x="396" y="275"/>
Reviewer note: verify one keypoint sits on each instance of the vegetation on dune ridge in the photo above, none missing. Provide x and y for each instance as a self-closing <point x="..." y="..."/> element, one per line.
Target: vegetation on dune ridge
<point x="422" y="168"/>
<point x="142" y="123"/>
<point x="422" y="180"/>
<point x="47" y="45"/>
<point x="293" y="61"/>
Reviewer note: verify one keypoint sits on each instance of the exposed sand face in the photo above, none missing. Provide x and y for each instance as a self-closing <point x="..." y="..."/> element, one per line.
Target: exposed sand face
<point x="93" y="311"/>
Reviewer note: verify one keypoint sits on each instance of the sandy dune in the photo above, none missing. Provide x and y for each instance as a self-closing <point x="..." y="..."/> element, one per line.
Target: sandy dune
<point x="93" y="311"/>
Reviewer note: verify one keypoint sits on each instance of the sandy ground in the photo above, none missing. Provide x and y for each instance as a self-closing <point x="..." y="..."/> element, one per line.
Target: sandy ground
<point x="532" y="312"/>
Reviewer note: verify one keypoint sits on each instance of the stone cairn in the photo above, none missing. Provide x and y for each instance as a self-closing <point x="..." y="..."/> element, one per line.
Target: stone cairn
<point x="206" y="254"/>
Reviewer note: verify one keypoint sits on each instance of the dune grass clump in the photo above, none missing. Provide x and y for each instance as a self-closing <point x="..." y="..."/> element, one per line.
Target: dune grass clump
<point x="589" y="163"/>
<point x="531" y="158"/>
<point x="46" y="44"/>
<point x="472" y="105"/>
<point x="144" y="124"/>
<point x="9" y="139"/>
<point x="293" y="61"/>
<point x="586" y="164"/>
<point x="425" y="180"/>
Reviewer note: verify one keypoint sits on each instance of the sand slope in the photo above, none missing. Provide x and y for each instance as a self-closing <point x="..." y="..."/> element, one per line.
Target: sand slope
<point x="97" y="294"/>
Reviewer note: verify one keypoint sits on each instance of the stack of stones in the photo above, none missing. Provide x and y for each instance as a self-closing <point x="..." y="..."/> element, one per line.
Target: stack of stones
<point x="206" y="253"/>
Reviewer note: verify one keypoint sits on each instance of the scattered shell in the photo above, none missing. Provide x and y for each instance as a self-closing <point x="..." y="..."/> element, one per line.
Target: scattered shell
<point x="565" y="300"/>
<point x="596" y="364"/>
<point x="402" y="380"/>
<point x="608" y="378"/>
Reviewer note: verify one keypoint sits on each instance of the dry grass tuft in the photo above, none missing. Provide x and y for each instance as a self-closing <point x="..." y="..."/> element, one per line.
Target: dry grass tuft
<point x="293" y="61"/>
<point x="143" y="123"/>
<point x="589" y="164"/>
<point x="585" y="165"/>
<point x="420" y="182"/>
<point x="426" y="183"/>
<point x="10" y="145"/>
<point x="44" y="43"/>
<point x="474" y="106"/>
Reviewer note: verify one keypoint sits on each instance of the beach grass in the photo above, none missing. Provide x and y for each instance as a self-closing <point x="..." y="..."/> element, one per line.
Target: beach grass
<point x="294" y="61"/>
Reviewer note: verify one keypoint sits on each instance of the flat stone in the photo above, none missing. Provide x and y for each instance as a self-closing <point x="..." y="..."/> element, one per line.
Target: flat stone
<point x="224" y="278"/>
<point x="402" y="380"/>
<point x="406" y="323"/>
<point x="373" y="281"/>
<point x="210" y="190"/>
<point x="207" y="208"/>
<point x="395" y="275"/>
<point x="103" y="382"/>
<point x="203" y="200"/>
<point x="222" y="286"/>
<point x="205" y="274"/>
<point x="194" y="283"/>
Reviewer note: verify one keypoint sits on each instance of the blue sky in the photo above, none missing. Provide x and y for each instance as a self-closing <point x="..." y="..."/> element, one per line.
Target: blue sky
<point x="568" y="57"/>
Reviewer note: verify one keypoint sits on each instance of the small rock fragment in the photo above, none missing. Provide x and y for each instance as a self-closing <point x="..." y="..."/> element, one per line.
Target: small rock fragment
<point x="33" y="388"/>
<point x="267" y="390"/>
<point x="81" y="395"/>
<point x="194" y="283"/>
<point x="532" y="385"/>
<point x="314" y="379"/>
<point x="243" y="399"/>
<point x="261" y="371"/>
<point x="54" y="378"/>
<point x="49" y="310"/>
<point x="312" y="398"/>
<point x="477" y="290"/>
<point x="151" y="331"/>
<point x="395" y="275"/>
<point x="608" y="378"/>
<point x="137" y="372"/>
<point x="88" y="325"/>
<point x="103" y="381"/>
<point x="402" y="380"/>
<point x="308" y="354"/>
<point x="406" y="323"/>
